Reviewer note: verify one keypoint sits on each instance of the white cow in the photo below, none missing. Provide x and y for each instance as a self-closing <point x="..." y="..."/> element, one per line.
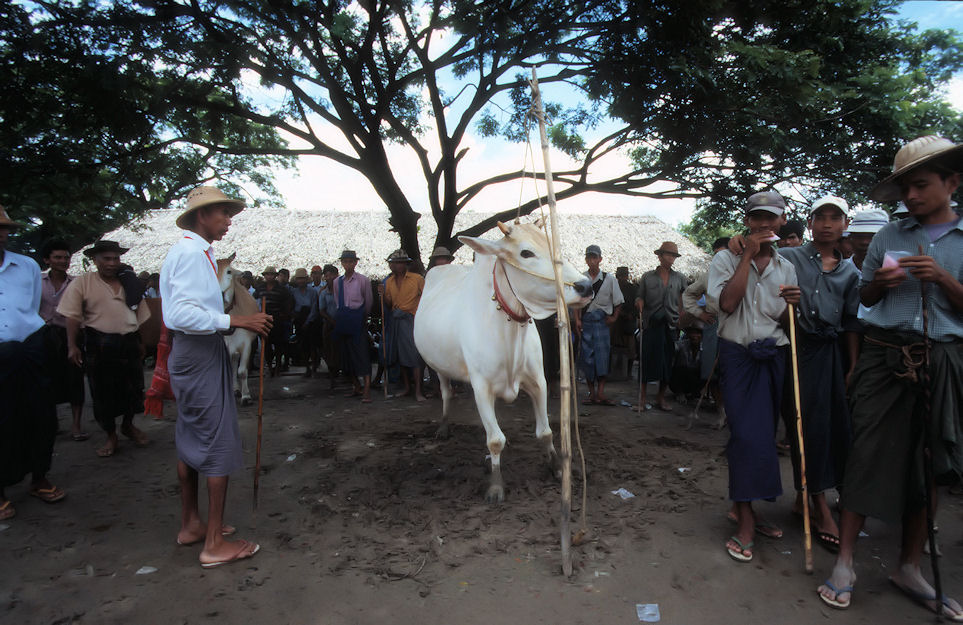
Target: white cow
<point x="237" y="301"/>
<point x="474" y="324"/>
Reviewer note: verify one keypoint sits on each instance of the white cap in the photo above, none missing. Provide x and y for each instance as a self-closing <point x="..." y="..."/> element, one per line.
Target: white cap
<point x="868" y="222"/>
<point x="830" y="200"/>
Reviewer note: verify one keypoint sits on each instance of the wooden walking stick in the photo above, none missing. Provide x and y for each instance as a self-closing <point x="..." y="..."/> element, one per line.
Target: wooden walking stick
<point x="928" y="453"/>
<point x="807" y="530"/>
<point x="384" y="348"/>
<point x="639" y="407"/>
<point x="260" y="412"/>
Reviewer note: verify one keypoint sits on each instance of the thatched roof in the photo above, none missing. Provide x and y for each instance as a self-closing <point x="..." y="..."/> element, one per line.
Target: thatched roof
<point x="302" y="238"/>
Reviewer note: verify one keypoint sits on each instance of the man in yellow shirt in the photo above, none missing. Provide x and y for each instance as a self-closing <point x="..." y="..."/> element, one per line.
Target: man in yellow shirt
<point x="401" y="292"/>
<point x="97" y="303"/>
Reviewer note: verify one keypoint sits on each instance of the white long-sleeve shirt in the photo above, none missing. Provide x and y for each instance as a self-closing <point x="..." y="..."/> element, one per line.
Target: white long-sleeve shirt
<point x="191" y="298"/>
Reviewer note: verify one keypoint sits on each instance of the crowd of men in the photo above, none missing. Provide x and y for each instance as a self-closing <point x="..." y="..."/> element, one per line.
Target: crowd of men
<point x="876" y="304"/>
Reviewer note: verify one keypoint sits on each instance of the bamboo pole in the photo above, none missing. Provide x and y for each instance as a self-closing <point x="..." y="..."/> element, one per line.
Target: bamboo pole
<point x="260" y="412"/>
<point x="807" y="531"/>
<point x="565" y="376"/>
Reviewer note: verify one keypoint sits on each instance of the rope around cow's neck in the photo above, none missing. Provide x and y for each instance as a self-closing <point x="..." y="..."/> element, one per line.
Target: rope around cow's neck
<point x="503" y="305"/>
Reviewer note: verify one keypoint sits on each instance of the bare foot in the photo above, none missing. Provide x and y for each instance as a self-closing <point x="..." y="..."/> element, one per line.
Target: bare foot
<point x="228" y="552"/>
<point x="843" y="578"/>
<point x="196" y="532"/>
<point x="420" y="398"/>
<point x="140" y="439"/>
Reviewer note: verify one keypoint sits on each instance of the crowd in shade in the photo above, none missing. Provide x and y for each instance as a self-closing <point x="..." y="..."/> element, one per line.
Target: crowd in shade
<point x="869" y="302"/>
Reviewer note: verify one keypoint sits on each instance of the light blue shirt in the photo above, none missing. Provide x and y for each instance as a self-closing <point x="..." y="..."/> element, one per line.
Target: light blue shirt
<point x="308" y="299"/>
<point x="901" y="307"/>
<point x="19" y="297"/>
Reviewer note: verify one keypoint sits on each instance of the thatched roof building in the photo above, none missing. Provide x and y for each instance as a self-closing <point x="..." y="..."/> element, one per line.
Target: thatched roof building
<point x="302" y="238"/>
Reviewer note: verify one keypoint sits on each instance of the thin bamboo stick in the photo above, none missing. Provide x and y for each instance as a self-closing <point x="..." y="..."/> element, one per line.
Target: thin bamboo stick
<point x="565" y="387"/>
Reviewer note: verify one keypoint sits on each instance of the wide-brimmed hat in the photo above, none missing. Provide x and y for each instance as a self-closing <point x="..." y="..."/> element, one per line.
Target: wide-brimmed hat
<point x="829" y="200"/>
<point x="269" y="269"/>
<point x="6" y="222"/>
<point x="300" y="272"/>
<point x="440" y="252"/>
<point x="593" y="250"/>
<point x="348" y="255"/>
<point x="205" y="196"/>
<point x="918" y="152"/>
<point x="768" y="201"/>
<point x="398" y="256"/>
<point x="670" y="248"/>
<point x="104" y="246"/>
<point x="868" y="222"/>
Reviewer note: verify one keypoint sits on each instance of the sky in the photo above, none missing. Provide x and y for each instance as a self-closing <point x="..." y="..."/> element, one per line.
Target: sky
<point x="319" y="183"/>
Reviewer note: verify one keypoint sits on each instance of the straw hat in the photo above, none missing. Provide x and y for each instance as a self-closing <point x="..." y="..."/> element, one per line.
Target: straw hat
<point x="6" y="222"/>
<point x="670" y="248"/>
<point x="440" y="252"/>
<point x="205" y="196"/>
<point x="300" y="272"/>
<point x="399" y="256"/>
<point x="104" y="246"/>
<point x="914" y="154"/>
<point x="269" y="270"/>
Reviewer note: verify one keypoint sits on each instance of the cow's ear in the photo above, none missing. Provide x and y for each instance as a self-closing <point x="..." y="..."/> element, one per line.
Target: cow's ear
<point x="482" y="246"/>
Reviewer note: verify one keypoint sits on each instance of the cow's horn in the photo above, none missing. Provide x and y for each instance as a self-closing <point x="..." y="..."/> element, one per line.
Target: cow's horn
<point x="505" y="228"/>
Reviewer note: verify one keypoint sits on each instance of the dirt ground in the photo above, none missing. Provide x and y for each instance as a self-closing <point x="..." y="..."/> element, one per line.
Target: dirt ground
<point x="364" y="517"/>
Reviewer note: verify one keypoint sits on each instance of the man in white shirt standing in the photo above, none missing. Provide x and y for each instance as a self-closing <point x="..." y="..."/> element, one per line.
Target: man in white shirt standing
<point x="207" y="437"/>
<point x="28" y="418"/>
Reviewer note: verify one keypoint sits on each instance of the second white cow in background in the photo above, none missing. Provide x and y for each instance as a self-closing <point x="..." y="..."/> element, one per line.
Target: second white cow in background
<point x="474" y="325"/>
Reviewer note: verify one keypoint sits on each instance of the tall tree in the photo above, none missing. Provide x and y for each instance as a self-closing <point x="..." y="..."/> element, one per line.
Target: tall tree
<point x="712" y="97"/>
<point x="90" y="137"/>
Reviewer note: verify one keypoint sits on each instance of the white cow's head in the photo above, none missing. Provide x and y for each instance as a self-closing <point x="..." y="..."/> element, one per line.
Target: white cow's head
<point x="527" y="261"/>
<point x="225" y="278"/>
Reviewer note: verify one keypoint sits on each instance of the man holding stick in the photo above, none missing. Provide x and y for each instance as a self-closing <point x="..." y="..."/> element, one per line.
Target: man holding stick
<point x="826" y="324"/>
<point x="885" y="472"/>
<point x="207" y="437"/>
<point x="751" y="292"/>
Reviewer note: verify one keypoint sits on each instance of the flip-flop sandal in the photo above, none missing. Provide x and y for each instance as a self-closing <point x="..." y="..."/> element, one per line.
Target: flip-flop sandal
<point x="105" y="452"/>
<point x="835" y="603"/>
<point x="829" y="541"/>
<point x="7" y="511"/>
<point x="80" y="437"/>
<point x="589" y="402"/>
<point x="48" y="495"/>
<point x="605" y="402"/>
<point x="924" y="600"/>
<point x="740" y="555"/>
<point x="245" y="545"/>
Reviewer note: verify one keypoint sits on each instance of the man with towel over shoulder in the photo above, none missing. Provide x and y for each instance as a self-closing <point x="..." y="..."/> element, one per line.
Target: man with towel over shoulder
<point x="207" y="437"/>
